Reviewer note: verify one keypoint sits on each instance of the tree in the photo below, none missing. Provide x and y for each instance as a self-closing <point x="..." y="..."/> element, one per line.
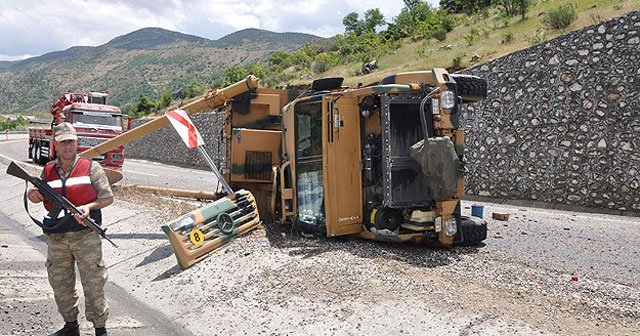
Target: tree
<point x="514" y="7"/>
<point x="466" y="6"/>
<point x="280" y="58"/>
<point x="165" y="99"/>
<point x="420" y="20"/>
<point x="373" y="18"/>
<point x="234" y="74"/>
<point x="325" y="61"/>
<point x="144" y="105"/>
<point x="300" y="60"/>
<point x="560" y="17"/>
<point x="411" y="3"/>
<point x="194" y="89"/>
<point x="353" y="24"/>
<point x="8" y="124"/>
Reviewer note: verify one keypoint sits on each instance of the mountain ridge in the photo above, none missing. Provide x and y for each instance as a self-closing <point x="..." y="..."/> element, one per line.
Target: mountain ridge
<point x="146" y="61"/>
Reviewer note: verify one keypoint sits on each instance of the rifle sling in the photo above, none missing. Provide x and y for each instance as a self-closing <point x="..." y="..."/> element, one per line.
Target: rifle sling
<point x="37" y="222"/>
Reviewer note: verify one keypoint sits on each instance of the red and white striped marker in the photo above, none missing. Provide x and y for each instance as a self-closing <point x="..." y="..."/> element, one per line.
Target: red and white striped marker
<point x="192" y="138"/>
<point x="185" y="128"/>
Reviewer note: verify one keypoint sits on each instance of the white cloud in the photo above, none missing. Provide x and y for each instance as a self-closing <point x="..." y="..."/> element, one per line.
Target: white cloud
<point x="14" y="57"/>
<point x="33" y="27"/>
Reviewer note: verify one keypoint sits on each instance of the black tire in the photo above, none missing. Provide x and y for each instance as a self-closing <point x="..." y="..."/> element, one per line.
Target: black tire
<point x="32" y="153"/>
<point x="42" y="160"/>
<point x="473" y="233"/>
<point x="471" y="88"/>
<point x="36" y="154"/>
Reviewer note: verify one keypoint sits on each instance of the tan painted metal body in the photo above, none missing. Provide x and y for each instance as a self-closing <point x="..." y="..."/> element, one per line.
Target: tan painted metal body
<point x="341" y="155"/>
<point x="263" y="150"/>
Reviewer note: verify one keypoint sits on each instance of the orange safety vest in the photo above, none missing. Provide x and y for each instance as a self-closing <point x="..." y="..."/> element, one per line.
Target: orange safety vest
<point x="77" y="188"/>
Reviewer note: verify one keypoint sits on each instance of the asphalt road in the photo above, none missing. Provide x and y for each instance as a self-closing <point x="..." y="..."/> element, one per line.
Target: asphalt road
<point x="135" y="171"/>
<point x="26" y="300"/>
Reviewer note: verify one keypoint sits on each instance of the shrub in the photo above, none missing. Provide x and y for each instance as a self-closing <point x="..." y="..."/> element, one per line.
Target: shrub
<point x="325" y="61"/>
<point x="280" y="58"/>
<point x="440" y="34"/>
<point x="560" y="17"/>
<point x="7" y="124"/>
<point x="456" y="63"/>
<point x="469" y="38"/>
<point x="539" y="36"/>
<point x="507" y="38"/>
<point x="165" y="99"/>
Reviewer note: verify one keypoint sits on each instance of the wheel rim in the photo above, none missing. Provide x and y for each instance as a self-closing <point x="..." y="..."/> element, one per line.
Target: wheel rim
<point x="37" y="155"/>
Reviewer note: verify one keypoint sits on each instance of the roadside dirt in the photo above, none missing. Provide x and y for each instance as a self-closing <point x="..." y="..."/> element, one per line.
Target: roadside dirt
<point x="275" y="281"/>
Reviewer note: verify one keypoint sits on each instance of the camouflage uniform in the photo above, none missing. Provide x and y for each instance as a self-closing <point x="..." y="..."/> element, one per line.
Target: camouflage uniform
<point x="84" y="248"/>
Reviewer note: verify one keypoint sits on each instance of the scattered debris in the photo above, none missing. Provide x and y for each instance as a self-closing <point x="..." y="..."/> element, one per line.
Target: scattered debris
<point x="369" y="67"/>
<point x="477" y="210"/>
<point x="501" y="216"/>
<point x="448" y="47"/>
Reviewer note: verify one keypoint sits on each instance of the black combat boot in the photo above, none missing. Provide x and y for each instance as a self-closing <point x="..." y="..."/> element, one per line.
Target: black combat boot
<point x="101" y="331"/>
<point x="69" y="329"/>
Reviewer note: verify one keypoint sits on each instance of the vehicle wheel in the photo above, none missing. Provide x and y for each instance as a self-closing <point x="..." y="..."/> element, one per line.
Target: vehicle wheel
<point x="42" y="160"/>
<point x="471" y="88"/>
<point x="387" y="218"/>
<point x="474" y="231"/>
<point x="36" y="154"/>
<point x="32" y="153"/>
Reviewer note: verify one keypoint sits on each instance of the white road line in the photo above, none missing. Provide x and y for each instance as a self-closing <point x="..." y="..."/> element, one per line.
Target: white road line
<point x="10" y="141"/>
<point x="168" y="167"/>
<point x="39" y="167"/>
<point x="21" y="163"/>
<point x="135" y="172"/>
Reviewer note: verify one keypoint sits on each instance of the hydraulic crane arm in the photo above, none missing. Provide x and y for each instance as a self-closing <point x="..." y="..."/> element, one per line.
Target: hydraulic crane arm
<point x="210" y="100"/>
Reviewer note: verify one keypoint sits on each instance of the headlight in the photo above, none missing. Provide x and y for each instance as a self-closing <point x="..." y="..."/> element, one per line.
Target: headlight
<point x="182" y="223"/>
<point x="450" y="227"/>
<point x="435" y="106"/>
<point x="437" y="223"/>
<point x="448" y="99"/>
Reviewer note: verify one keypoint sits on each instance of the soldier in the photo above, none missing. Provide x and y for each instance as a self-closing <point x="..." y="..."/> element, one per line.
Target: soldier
<point x="70" y="242"/>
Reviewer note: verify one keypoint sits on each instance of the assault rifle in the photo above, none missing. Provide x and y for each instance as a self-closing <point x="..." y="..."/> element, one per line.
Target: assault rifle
<point x="58" y="202"/>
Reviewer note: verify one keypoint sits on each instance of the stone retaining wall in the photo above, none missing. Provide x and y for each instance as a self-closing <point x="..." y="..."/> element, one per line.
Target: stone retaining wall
<point x="561" y="123"/>
<point x="164" y="145"/>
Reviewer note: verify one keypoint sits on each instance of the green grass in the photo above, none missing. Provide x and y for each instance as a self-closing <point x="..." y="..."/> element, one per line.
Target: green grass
<point x="488" y="33"/>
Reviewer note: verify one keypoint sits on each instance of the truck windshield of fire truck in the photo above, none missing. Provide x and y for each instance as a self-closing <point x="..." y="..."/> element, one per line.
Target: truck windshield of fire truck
<point x="93" y="119"/>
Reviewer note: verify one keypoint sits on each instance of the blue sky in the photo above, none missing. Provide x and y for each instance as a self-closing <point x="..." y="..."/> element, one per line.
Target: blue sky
<point x="34" y="27"/>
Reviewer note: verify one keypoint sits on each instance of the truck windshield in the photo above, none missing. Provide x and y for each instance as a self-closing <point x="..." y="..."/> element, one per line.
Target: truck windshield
<point x="310" y="189"/>
<point x="104" y="120"/>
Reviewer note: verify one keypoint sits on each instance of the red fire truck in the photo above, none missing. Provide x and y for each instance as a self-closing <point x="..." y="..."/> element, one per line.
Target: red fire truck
<point x="93" y="119"/>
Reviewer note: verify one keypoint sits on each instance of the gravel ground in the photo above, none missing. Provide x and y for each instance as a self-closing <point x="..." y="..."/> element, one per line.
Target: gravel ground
<point x="277" y="282"/>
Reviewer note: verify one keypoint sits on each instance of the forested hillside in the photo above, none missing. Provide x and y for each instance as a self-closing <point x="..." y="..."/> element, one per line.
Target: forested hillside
<point x="147" y="62"/>
<point x="148" y="69"/>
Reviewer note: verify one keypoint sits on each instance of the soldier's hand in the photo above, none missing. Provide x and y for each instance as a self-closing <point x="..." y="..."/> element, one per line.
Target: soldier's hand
<point x="85" y="213"/>
<point x="34" y="195"/>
